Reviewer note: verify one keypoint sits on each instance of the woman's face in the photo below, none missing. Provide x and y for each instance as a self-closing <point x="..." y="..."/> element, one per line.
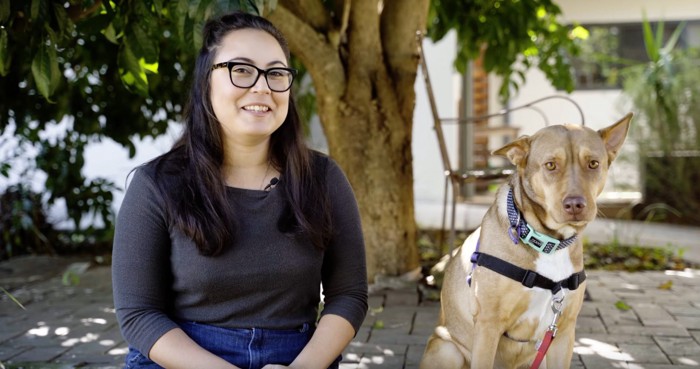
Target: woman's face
<point x="248" y="115"/>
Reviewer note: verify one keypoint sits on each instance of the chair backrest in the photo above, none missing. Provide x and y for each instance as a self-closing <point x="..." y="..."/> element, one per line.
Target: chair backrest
<point x="458" y="177"/>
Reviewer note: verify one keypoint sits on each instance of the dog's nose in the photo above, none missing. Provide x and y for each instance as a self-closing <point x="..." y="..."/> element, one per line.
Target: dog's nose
<point x="574" y="205"/>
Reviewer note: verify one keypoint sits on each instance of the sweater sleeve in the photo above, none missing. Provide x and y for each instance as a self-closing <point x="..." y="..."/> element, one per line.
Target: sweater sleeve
<point x="344" y="276"/>
<point x="141" y="274"/>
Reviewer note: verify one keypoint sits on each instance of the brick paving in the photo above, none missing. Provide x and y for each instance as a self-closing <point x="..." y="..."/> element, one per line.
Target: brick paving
<point x="74" y="326"/>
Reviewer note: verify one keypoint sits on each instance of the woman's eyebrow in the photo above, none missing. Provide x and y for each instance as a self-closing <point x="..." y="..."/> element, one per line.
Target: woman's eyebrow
<point x="250" y="61"/>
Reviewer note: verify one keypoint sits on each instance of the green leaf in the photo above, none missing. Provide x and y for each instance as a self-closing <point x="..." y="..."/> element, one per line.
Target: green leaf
<point x="109" y="7"/>
<point x="651" y="47"/>
<point x="193" y="8"/>
<point x="673" y="40"/>
<point x="45" y="70"/>
<point x="132" y="74"/>
<point x="659" y="34"/>
<point x="12" y="298"/>
<point x="144" y="45"/>
<point x="5" y="54"/>
<point x="621" y="305"/>
<point x="158" y="6"/>
<point x="39" y="11"/>
<point x="5" y="169"/>
<point x="70" y="278"/>
<point x="110" y="34"/>
<point x="62" y="21"/>
<point x="4" y="11"/>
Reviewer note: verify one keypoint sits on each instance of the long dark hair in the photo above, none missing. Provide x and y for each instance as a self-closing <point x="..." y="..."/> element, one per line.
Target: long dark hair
<point x="193" y="184"/>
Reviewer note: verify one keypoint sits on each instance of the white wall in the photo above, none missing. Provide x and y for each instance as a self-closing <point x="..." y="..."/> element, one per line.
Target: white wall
<point x="104" y="158"/>
<point x="428" y="170"/>
<point x="607" y="11"/>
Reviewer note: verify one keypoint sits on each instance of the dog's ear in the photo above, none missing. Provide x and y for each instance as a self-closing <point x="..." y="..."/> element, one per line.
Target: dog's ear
<point x="614" y="136"/>
<point x="515" y="151"/>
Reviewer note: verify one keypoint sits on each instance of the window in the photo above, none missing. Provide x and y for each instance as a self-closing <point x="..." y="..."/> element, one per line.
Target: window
<point x="611" y="47"/>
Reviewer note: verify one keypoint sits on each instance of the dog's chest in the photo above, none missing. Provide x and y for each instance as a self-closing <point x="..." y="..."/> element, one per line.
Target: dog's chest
<point x="538" y="315"/>
<point x="556" y="266"/>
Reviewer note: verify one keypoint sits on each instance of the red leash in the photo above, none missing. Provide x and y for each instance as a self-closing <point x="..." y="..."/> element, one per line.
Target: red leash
<point x="557" y="304"/>
<point x="544" y="346"/>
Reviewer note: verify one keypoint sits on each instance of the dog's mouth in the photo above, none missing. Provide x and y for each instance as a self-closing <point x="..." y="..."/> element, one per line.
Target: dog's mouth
<point x="577" y="222"/>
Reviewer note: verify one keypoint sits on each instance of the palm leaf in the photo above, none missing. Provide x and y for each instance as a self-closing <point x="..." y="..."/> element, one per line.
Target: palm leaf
<point x="652" y="48"/>
<point x="671" y="43"/>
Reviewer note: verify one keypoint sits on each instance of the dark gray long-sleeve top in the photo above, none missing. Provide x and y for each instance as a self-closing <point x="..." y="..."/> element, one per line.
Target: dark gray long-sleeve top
<point x="265" y="279"/>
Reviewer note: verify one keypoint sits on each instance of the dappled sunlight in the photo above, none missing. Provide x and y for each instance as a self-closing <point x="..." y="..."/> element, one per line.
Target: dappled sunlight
<point x="107" y="343"/>
<point x="93" y="321"/>
<point x="588" y="346"/>
<point x="375" y="359"/>
<point x="118" y="351"/>
<point x="688" y="361"/>
<point x="685" y="273"/>
<point x="41" y="331"/>
<point x="70" y="336"/>
<point x="89" y="337"/>
<point x="368" y="354"/>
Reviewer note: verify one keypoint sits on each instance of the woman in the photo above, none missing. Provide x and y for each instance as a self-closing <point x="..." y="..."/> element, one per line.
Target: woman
<point x="222" y="243"/>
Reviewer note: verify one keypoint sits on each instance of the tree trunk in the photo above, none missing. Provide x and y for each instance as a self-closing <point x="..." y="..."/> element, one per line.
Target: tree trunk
<point x="363" y="63"/>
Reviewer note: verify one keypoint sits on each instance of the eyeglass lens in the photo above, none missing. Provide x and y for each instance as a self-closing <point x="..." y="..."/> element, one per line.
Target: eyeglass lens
<point x="245" y="76"/>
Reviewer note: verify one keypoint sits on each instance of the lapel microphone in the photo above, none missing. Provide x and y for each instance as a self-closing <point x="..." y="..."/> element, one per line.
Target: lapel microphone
<point x="272" y="183"/>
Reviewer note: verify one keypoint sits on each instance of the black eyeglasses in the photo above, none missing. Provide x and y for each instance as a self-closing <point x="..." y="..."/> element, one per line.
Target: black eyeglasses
<point x="244" y="75"/>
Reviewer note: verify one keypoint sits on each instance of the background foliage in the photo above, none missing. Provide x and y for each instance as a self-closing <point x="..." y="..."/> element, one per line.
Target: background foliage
<point x="104" y="71"/>
<point x="665" y="92"/>
<point x="513" y="37"/>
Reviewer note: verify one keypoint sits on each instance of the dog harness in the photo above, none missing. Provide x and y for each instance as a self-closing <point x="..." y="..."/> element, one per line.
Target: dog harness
<point x="527" y="278"/>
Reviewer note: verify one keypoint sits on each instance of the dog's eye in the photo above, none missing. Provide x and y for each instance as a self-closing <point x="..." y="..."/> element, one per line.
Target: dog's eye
<point x="550" y="165"/>
<point x="593" y="164"/>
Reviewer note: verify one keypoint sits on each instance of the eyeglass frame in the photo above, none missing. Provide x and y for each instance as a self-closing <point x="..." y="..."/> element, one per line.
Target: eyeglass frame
<point x="231" y="64"/>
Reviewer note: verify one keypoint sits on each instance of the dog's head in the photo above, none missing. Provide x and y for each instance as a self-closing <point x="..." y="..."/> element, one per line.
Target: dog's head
<point x="562" y="169"/>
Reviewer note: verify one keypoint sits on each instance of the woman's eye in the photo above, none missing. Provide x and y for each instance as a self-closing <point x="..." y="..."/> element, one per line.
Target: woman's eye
<point x="593" y="164"/>
<point x="241" y="70"/>
<point x="550" y="165"/>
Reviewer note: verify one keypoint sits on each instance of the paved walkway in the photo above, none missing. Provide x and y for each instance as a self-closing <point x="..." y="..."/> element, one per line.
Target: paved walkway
<point x="75" y="327"/>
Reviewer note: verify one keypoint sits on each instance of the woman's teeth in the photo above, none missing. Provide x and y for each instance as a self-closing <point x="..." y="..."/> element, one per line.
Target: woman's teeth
<point x="256" y="108"/>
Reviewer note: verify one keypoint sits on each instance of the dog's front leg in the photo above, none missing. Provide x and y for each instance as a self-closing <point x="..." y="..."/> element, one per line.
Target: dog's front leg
<point x="486" y="337"/>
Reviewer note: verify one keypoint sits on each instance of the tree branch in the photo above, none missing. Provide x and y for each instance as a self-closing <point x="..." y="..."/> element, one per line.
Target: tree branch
<point x="364" y="45"/>
<point x="77" y="13"/>
<point x="399" y="23"/>
<point x="315" y="52"/>
<point x="312" y="11"/>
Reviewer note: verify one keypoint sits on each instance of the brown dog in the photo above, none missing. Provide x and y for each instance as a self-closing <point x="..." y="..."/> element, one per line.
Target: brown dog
<point x="526" y="280"/>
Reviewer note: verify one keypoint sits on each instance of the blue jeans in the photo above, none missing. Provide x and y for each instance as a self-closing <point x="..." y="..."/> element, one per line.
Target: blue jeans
<point x="245" y="348"/>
